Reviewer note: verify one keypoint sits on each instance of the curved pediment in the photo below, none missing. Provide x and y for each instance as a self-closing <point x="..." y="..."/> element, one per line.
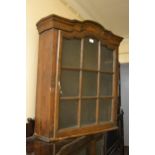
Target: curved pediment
<point x="54" y="21"/>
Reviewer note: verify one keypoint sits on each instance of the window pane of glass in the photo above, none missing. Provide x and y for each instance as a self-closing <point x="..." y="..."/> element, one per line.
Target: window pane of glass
<point x="88" y="112"/>
<point x="106" y="84"/>
<point x="105" y="107"/>
<point x="89" y="84"/>
<point x="106" y="59"/>
<point x="68" y="113"/>
<point x="90" y="53"/>
<point x="69" y="83"/>
<point x="71" y="52"/>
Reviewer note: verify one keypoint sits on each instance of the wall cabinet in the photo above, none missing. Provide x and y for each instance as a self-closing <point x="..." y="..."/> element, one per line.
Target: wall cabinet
<point x="77" y="84"/>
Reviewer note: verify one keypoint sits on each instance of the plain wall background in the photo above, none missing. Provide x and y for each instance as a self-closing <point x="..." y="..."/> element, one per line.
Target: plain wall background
<point x="35" y="10"/>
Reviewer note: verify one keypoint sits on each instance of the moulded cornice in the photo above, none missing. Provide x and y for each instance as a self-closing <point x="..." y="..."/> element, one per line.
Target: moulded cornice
<point x="61" y="23"/>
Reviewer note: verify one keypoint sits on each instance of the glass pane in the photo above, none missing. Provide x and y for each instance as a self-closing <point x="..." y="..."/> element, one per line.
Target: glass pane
<point x="89" y="84"/>
<point x="69" y="83"/>
<point x="88" y="112"/>
<point x="71" y="52"/>
<point x="68" y="113"/>
<point x="106" y="84"/>
<point x="106" y="59"/>
<point x="105" y="107"/>
<point x="90" y="53"/>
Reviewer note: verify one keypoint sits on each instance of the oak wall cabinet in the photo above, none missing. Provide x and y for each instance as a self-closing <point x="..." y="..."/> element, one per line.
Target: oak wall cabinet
<point x="77" y="82"/>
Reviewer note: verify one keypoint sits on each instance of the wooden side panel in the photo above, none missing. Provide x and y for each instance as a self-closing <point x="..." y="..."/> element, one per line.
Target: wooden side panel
<point x="45" y="84"/>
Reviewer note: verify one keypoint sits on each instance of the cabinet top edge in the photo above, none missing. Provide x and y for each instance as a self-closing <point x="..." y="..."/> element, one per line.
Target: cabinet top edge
<point x="58" y="22"/>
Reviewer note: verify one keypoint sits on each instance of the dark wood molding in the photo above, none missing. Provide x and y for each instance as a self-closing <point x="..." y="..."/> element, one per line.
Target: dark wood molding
<point x="75" y="145"/>
<point x="63" y="147"/>
<point x="61" y="23"/>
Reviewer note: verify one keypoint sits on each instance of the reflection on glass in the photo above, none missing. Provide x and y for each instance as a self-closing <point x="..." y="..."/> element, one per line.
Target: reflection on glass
<point x="90" y="53"/>
<point x="106" y="59"/>
<point x="68" y="113"/>
<point x="69" y="83"/>
<point x="106" y="84"/>
<point x="105" y="106"/>
<point x="88" y="112"/>
<point x="71" y="52"/>
<point x="89" y="84"/>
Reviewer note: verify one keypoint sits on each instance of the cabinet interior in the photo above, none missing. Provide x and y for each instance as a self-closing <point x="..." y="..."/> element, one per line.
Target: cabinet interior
<point x="86" y="79"/>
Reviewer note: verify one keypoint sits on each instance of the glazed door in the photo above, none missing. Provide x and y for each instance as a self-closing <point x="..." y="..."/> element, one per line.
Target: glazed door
<point x="87" y="87"/>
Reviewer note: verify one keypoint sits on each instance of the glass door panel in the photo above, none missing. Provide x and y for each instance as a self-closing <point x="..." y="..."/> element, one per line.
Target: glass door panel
<point x="90" y="53"/>
<point x="106" y="59"/>
<point x="71" y="53"/>
<point x="89" y="84"/>
<point x="106" y="81"/>
<point x="68" y="113"/>
<point x="88" y="112"/>
<point x="105" y="107"/>
<point x="69" y="83"/>
<point x="81" y="80"/>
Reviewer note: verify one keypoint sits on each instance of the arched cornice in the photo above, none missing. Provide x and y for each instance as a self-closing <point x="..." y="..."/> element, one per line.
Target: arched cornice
<point x="57" y="22"/>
